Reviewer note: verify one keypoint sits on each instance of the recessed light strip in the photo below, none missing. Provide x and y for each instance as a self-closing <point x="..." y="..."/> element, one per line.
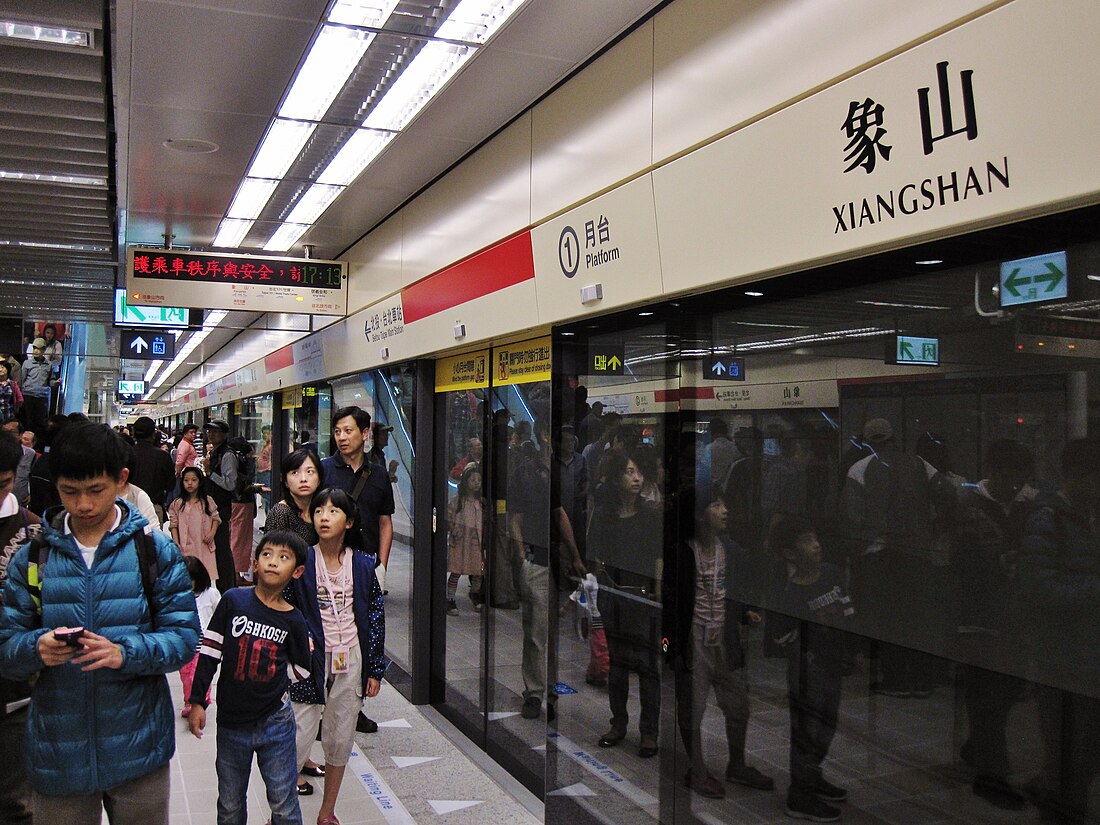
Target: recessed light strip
<point x="43" y="33"/>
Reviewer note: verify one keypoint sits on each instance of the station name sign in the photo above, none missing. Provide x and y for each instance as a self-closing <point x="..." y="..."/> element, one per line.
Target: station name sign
<point x="163" y="277"/>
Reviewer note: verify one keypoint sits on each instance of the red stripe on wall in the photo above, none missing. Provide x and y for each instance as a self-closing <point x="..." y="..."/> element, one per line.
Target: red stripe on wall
<point x="666" y="396"/>
<point x="697" y="392"/>
<point x="506" y="264"/>
<point x="279" y="360"/>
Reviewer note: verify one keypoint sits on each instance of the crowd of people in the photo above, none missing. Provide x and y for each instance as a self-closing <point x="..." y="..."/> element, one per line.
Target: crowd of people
<point x="126" y="558"/>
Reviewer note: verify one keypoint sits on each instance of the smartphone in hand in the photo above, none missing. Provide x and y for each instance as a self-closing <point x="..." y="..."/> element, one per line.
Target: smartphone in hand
<point x="69" y="635"/>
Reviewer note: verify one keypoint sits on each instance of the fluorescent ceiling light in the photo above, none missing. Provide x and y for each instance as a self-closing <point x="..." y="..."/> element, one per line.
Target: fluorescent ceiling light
<point x="153" y="367"/>
<point x="332" y="58"/>
<point x="231" y="232"/>
<point x="901" y="305"/>
<point x="357" y="153"/>
<point x="280" y="147"/>
<point x="39" y="177"/>
<point x="285" y="236"/>
<point x="475" y="21"/>
<point x="312" y="203"/>
<point x="429" y="71"/>
<point x="252" y="196"/>
<point x="61" y="247"/>
<point x="212" y="320"/>
<point x="41" y="33"/>
<point x="362" y="12"/>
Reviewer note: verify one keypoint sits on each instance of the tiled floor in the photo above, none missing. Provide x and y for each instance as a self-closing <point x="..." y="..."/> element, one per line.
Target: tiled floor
<point x="402" y="790"/>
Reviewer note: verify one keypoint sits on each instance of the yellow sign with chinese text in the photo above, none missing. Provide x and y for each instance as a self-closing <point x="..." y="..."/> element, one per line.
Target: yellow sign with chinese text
<point x="522" y="363"/>
<point x="469" y="371"/>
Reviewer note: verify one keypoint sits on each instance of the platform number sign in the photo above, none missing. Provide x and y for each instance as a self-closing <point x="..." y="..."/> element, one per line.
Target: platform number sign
<point x="569" y="251"/>
<point x="606" y="361"/>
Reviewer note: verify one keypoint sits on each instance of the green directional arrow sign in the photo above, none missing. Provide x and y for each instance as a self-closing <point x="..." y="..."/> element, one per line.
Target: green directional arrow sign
<point x="1039" y="278"/>
<point x="920" y="351"/>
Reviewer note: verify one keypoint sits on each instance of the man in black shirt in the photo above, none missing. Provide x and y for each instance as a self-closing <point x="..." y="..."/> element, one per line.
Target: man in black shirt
<point x="153" y="471"/>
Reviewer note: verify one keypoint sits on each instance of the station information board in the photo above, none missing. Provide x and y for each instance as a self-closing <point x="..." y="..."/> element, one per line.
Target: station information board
<point x="170" y="277"/>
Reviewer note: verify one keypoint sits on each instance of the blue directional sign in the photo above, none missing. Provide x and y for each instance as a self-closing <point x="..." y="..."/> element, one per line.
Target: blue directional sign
<point x="1030" y="280"/>
<point x="724" y="368"/>
<point x="148" y="344"/>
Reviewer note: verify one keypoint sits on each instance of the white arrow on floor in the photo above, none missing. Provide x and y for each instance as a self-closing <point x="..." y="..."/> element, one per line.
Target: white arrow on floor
<point x="395" y="723"/>
<point x="446" y="806"/>
<point x="409" y="761"/>
<point x="579" y="789"/>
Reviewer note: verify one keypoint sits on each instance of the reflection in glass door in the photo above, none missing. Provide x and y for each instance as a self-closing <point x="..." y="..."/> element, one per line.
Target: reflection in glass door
<point x="492" y="498"/>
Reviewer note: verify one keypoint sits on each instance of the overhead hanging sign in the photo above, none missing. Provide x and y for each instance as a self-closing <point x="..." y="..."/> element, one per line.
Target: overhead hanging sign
<point x="162" y="277"/>
<point x="522" y="363"/>
<point x="468" y="371"/>
<point x="724" y="368"/>
<point x="1034" y="279"/>
<point x="148" y="344"/>
<point x="909" y="349"/>
<point x="132" y="315"/>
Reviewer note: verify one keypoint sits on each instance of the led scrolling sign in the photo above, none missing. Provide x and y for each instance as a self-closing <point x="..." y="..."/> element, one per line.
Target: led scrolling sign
<point x="172" y="277"/>
<point x="170" y="265"/>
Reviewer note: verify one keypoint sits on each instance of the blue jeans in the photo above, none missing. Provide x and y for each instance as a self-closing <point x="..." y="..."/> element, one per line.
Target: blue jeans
<point x="272" y="740"/>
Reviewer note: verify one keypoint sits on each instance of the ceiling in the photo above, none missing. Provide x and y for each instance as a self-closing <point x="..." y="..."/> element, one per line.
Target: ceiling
<point x="194" y="75"/>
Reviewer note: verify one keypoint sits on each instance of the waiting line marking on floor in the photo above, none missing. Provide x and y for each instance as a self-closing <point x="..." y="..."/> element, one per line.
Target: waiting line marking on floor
<point x="409" y="761"/>
<point x="395" y="723"/>
<point x="605" y="772"/>
<point x="377" y="789"/>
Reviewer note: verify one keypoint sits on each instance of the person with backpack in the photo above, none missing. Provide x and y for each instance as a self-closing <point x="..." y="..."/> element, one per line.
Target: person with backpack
<point x="243" y="507"/>
<point x="17" y="526"/>
<point x="220" y="467"/>
<point x="99" y="609"/>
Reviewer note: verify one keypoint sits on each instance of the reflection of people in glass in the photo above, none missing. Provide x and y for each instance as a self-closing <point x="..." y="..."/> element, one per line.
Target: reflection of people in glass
<point x="536" y="527"/>
<point x="263" y="465"/>
<point x="702" y="618"/>
<point x="990" y="523"/>
<point x="465" y="554"/>
<point x="809" y="607"/>
<point x="1060" y="579"/>
<point x="889" y="510"/>
<point x="624" y="538"/>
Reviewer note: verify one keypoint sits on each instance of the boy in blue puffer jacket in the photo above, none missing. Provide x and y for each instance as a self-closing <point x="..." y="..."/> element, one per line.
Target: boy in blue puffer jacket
<point x="101" y="726"/>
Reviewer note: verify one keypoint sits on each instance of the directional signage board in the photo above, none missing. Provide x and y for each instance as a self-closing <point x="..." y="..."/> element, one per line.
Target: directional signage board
<point x="606" y="361"/>
<point x="1030" y="280"/>
<point x="148" y="344"/>
<point x="724" y="368"/>
<point x="916" y="351"/>
<point x="258" y="283"/>
<point x="131" y="387"/>
<point x="135" y="315"/>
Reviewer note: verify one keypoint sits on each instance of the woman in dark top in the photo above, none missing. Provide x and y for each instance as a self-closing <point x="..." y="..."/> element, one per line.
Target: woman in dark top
<point x="301" y="472"/>
<point x="624" y="541"/>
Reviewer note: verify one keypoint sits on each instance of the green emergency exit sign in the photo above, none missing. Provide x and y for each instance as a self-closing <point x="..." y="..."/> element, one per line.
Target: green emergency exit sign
<point x="921" y="351"/>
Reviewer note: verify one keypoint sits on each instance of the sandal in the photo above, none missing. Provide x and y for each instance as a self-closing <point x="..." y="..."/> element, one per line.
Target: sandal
<point x="305" y="789"/>
<point x="313" y="770"/>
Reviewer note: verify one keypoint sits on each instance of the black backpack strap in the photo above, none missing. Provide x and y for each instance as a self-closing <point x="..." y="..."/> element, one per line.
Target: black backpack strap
<point x="36" y="564"/>
<point x="150" y="570"/>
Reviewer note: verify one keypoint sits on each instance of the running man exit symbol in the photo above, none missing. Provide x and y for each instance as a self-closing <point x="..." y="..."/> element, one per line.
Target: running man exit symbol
<point x="606" y="361"/>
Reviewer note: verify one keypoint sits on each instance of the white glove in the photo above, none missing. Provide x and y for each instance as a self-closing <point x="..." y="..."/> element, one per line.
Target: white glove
<point x="380" y="574"/>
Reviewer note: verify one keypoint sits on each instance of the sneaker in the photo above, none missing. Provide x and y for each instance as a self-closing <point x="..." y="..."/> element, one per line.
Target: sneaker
<point x="829" y="792"/>
<point x="613" y="737"/>
<point x="452" y="607"/>
<point x="705" y="785"/>
<point x="531" y="709"/>
<point x="750" y="776"/>
<point x="808" y="806"/>
<point x="364" y="724"/>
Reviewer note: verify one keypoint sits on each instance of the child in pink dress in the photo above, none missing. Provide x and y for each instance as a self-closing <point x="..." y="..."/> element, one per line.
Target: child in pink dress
<point x="194" y="520"/>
